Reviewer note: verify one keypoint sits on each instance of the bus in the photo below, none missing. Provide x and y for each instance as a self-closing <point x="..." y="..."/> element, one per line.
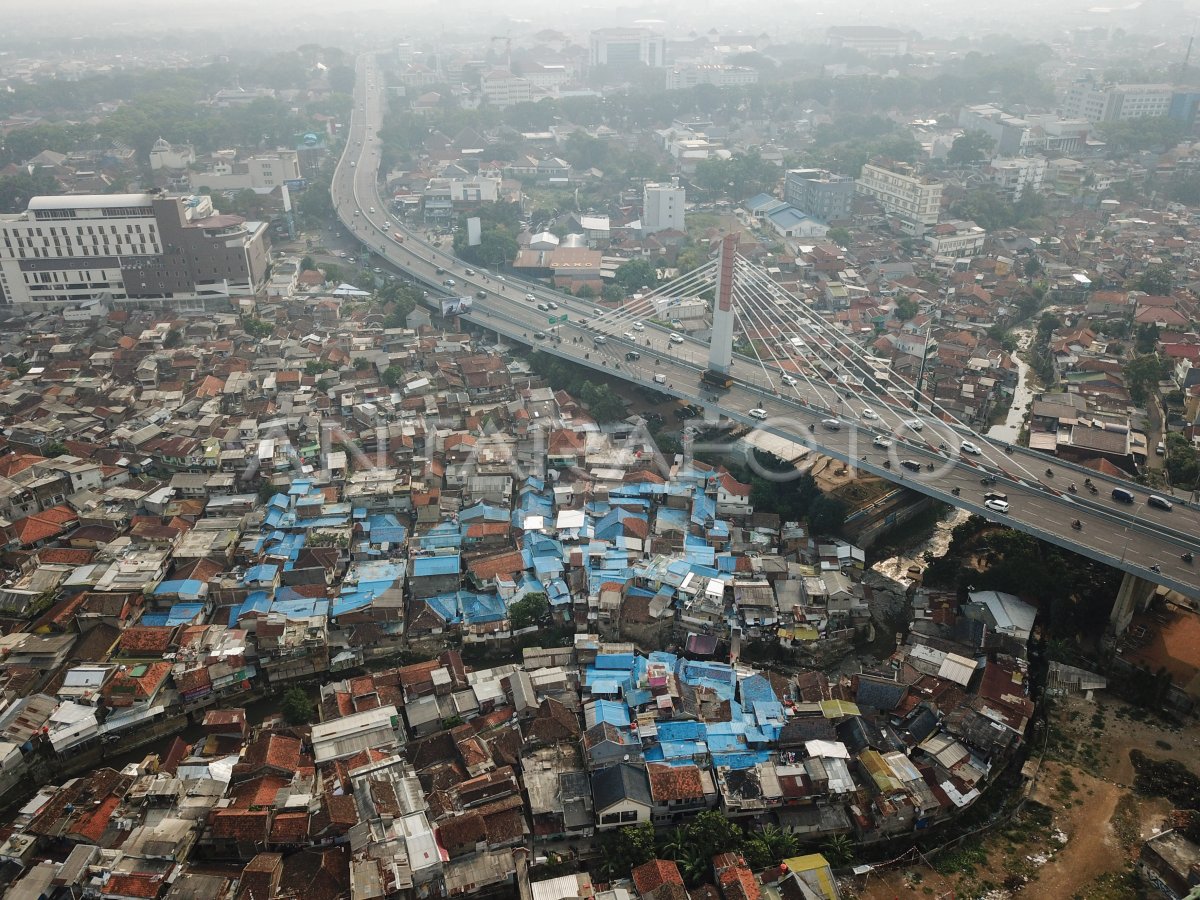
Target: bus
<point x="398" y="237"/>
<point x="716" y="379"/>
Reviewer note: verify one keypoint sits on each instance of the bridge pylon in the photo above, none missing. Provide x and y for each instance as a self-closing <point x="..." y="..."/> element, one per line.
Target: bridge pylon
<point x="720" y="348"/>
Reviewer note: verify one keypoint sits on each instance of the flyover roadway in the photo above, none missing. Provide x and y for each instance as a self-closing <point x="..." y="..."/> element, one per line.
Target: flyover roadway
<point x="1132" y="537"/>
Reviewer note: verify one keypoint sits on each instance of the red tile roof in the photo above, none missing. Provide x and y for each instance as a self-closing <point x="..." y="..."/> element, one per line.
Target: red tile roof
<point x="674" y="783"/>
<point x="135" y="884"/>
<point x="654" y="874"/>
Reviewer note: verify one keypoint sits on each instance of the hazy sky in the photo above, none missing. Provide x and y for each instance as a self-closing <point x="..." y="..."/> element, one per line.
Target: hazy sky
<point x="276" y="23"/>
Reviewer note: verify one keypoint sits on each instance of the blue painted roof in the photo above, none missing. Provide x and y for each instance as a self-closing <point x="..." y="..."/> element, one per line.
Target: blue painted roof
<point x="260" y="574"/>
<point x="189" y="587"/>
<point x="442" y="564"/>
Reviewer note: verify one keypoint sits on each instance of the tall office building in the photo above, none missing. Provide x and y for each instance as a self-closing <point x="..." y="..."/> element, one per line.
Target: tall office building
<point x="128" y="247"/>
<point x="623" y="47"/>
<point x="819" y="194"/>
<point x="901" y="191"/>
<point x="662" y="207"/>
<point x="1117" y="102"/>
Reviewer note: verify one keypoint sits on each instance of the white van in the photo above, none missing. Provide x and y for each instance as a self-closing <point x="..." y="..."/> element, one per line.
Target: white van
<point x="660" y="378"/>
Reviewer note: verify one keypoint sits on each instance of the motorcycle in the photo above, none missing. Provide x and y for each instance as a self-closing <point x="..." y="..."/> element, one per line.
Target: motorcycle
<point x="1186" y="557"/>
<point x="1072" y="488"/>
<point x="1077" y="525"/>
<point x="1049" y="473"/>
<point x="955" y="491"/>
<point x="929" y="466"/>
<point x="887" y="463"/>
<point x="1008" y="449"/>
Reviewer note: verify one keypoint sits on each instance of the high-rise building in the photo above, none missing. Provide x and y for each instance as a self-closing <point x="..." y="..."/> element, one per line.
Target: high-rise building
<point x="128" y="247"/>
<point x="901" y="191"/>
<point x="624" y="47"/>
<point x="662" y="207"/>
<point x="1116" y="102"/>
<point x="819" y="194"/>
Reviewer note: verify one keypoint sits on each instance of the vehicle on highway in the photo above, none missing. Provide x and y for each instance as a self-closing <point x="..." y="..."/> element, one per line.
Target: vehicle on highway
<point x="540" y="335"/>
<point x="995" y="495"/>
<point x="638" y="326"/>
<point x="628" y="335"/>
<point x="660" y="378"/>
<point x="441" y="271"/>
<point x="543" y="307"/>
<point x="914" y="424"/>
<point x="881" y="442"/>
<point x="481" y="295"/>
<point x="530" y="297"/>
<point x="1122" y="496"/>
<point x="353" y="164"/>
<point x="599" y="339"/>
<point x="632" y="355"/>
<point x="341" y="254"/>
<point x="789" y="380"/>
<point x="716" y="379"/>
<point x="997" y="505"/>
<point x="758" y="413"/>
<point x="869" y="413"/>
<point x="911" y="464"/>
<point x="468" y="271"/>
<point x="377" y="270"/>
<point x="397" y="237"/>
<point x="831" y="424"/>
<point x="968" y="447"/>
<point x="552" y="304"/>
<point x="449" y="282"/>
<point x="676" y="339"/>
<point x="1159" y="502"/>
<point x="371" y="210"/>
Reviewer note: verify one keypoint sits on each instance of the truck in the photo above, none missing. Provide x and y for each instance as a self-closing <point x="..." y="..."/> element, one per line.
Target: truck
<point x="713" y="378"/>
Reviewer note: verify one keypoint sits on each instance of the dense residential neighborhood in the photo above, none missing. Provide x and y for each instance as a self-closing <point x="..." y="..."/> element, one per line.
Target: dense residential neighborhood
<point x="314" y="584"/>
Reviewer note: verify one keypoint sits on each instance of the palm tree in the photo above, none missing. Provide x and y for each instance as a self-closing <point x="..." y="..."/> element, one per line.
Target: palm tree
<point x="782" y="844"/>
<point x="693" y="865"/>
<point x="838" y="851"/>
<point x="676" y="844"/>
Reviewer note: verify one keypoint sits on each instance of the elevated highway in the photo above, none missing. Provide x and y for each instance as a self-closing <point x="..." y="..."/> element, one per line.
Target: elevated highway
<point x="1137" y="538"/>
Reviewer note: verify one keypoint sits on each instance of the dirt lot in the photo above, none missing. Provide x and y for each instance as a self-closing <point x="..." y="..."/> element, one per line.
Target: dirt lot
<point x="1086" y="824"/>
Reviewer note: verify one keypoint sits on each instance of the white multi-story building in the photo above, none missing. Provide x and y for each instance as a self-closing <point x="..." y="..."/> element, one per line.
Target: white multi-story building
<point x="128" y="247"/>
<point x="623" y="47"/>
<point x="662" y="207"/>
<point x="955" y="239"/>
<point x="687" y="76"/>
<point x="901" y="191"/>
<point x="1116" y="102"/>
<point x="1017" y="174"/>
<point x="501" y="88"/>
<point x="263" y="172"/>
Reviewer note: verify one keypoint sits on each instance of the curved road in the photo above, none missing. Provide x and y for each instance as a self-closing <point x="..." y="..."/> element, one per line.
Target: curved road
<point x="1132" y="537"/>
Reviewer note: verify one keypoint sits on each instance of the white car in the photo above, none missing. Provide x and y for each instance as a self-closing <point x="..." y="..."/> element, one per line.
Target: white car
<point x="638" y="326"/>
<point x="788" y="380"/>
<point x="758" y="413"/>
<point x="968" y="447"/>
<point x="997" y="505"/>
<point x="882" y="443"/>
<point x="676" y="339"/>
<point x="914" y="424"/>
<point x="869" y="414"/>
<point x="628" y="335"/>
<point x="530" y="297"/>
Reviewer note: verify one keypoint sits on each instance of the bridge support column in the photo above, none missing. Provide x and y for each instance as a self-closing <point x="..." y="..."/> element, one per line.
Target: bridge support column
<point x="720" y="348"/>
<point x="1133" y="596"/>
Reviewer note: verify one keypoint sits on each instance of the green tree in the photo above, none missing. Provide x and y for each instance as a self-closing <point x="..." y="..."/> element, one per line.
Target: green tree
<point x="392" y="375"/>
<point x="827" y="515"/>
<point x="173" y="339"/>
<point x="840" y="236"/>
<point x="307" y="263"/>
<point x="969" y="148"/>
<point x="257" y="327"/>
<point x="711" y="833"/>
<point x="1142" y="374"/>
<point x="624" y="849"/>
<point x="316" y="367"/>
<point x="361" y="363"/>
<point x="838" y="851"/>
<point x="532" y="609"/>
<point x="906" y="308"/>
<point x="296" y="708"/>
<point x="1157" y="280"/>
<point x="635" y="274"/>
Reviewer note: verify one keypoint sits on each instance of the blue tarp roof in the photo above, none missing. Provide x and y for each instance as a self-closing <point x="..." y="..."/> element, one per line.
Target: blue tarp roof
<point x="188" y="587"/>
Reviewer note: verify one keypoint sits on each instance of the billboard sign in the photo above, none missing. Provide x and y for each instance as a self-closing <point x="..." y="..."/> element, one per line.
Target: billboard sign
<point x="473" y="231"/>
<point x="455" y="306"/>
